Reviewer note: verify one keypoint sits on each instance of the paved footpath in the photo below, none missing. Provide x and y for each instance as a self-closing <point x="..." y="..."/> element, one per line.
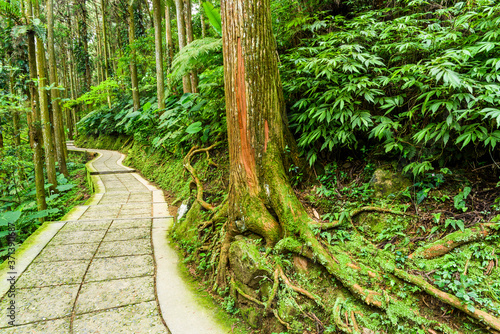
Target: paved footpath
<point x="106" y="268"/>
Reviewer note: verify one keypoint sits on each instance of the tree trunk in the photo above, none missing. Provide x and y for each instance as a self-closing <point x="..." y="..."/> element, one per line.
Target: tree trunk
<point x="15" y="113"/>
<point x="105" y="40"/>
<point x="202" y="21"/>
<point x="98" y="59"/>
<point x="54" y="92"/>
<point x="160" y="86"/>
<point x="133" y="66"/>
<point x="181" y="32"/>
<point x="168" y="33"/>
<point x="48" y="139"/>
<point x="189" y="38"/>
<point x="34" y="125"/>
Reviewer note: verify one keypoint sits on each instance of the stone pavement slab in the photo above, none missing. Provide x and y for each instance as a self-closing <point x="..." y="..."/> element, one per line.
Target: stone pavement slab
<point x="137" y="318"/>
<point x="40" y="274"/>
<point x="120" y="267"/>
<point x="115" y="293"/>
<point x="59" y="326"/>
<point x="40" y="304"/>
<point x="125" y="247"/>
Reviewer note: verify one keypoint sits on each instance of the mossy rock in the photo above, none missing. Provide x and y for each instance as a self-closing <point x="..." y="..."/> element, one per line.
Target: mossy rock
<point x="385" y="183"/>
<point x="247" y="263"/>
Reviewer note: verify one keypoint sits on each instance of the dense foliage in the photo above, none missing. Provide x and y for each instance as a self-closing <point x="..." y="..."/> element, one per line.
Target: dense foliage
<point x="421" y="79"/>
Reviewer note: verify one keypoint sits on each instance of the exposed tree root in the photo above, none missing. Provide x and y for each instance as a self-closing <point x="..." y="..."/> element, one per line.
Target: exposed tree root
<point x="452" y="241"/>
<point x="476" y="313"/>
<point x="288" y="327"/>
<point x="337" y="317"/>
<point x="243" y="294"/>
<point x="199" y="185"/>
<point x="274" y="290"/>
<point x="295" y="288"/>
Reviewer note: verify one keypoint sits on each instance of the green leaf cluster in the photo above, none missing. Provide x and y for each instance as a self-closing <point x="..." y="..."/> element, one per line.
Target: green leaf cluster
<point x="421" y="83"/>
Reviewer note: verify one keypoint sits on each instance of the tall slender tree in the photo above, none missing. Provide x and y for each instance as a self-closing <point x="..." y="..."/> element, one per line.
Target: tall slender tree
<point x="168" y="35"/>
<point x="105" y="46"/>
<point x="189" y="38"/>
<point x="160" y="85"/>
<point x="181" y="33"/>
<point x="133" y="66"/>
<point x="54" y="92"/>
<point x="34" y="124"/>
<point x="48" y="140"/>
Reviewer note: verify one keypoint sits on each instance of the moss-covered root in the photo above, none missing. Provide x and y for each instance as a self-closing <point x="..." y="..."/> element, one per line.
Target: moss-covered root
<point x="373" y="295"/>
<point x="199" y="186"/>
<point x="452" y="241"/>
<point x="486" y="318"/>
<point x="274" y="290"/>
<point x="229" y="231"/>
<point x="296" y="288"/>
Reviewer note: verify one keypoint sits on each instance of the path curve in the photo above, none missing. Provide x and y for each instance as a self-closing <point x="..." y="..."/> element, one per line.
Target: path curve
<point x="106" y="267"/>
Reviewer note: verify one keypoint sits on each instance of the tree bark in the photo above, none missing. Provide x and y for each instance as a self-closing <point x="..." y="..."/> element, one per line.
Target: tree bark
<point x="34" y="125"/>
<point x="160" y="86"/>
<point x="105" y="40"/>
<point x="189" y="38"/>
<point x="169" y="39"/>
<point x="133" y="66"/>
<point x="254" y="108"/>
<point x="181" y="33"/>
<point x="202" y="21"/>
<point x="15" y="113"/>
<point x="54" y="92"/>
<point x="99" y="58"/>
<point x="48" y="139"/>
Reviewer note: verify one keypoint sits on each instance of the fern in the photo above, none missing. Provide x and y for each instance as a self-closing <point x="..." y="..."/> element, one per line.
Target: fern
<point x="11" y="10"/>
<point x="197" y="55"/>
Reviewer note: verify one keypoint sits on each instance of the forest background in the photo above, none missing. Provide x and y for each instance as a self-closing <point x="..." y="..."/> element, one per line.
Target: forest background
<point x="403" y="91"/>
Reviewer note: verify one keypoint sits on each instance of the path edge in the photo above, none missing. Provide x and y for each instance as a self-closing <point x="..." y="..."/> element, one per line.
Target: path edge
<point x="36" y="242"/>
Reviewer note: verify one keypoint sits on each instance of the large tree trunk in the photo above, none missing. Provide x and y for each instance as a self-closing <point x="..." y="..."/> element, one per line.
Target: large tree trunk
<point x="48" y="139"/>
<point x="54" y="93"/>
<point x="181" y="33"/>
<point x="34" y="127"/>
<point x="133" y="66"/>
<point x="254" y="107"/>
